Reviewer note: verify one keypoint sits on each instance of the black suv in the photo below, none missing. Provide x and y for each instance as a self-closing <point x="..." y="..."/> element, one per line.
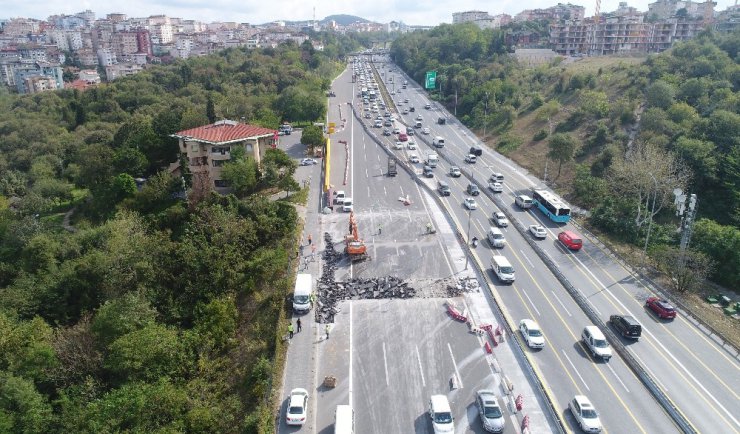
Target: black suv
<point x="441" y="121"/>
<point x="476" y="151"/>
<point x="627" y="326"/>
<point x="473" y="190"/>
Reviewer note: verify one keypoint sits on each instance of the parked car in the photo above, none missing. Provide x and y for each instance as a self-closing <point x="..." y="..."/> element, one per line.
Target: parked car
<point x="585" y="414"/>
<point x="297" y="407"/>
<point x="661" y="307"/>
<point x="538" y="231"/>
<point x="470" y="203"/>
<point x="308" y="162"/>
<point x="531" y="333"/>
<point x="500" y="219"/>
<point x="490" y="413"/>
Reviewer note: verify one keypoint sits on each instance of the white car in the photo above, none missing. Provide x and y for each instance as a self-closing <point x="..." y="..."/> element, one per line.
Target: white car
<point x="585" y="414"/>
<point x="411" y="145"/>
<point x="496" y="187"/>
<point x="470" y="203"/>
<point x="500" y="219"/>
<point x="419" y="118"/>
<point x="308" y="162"/>
<point x="427" y="106"/>
<point x="297" y="407"/>
<point x="405" y="111"/>
<point x="413" y="158"/>
<point x="347" y="204"/>
<point x="396" y="130"/>
<point x="398" y="145"/>
<point x="425" y="130"/>
<point x="531" y="333"/>
<point x="455" y="172"/>
<point x="538" y="231"/>
<point x="470" y="158"/>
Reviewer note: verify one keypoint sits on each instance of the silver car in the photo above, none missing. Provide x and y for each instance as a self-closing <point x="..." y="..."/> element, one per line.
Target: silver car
<point x="490" y="413"/>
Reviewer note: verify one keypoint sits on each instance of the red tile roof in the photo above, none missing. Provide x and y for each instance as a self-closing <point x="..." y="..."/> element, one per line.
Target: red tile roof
<point x="224" y="132"/>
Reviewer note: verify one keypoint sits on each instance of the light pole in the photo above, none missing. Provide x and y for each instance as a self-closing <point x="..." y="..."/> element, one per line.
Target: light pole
<point x="467" y="238"/>
<point x="652" y="213"/>
<point x="485" y="118"/>
<point x="455" y="102"/>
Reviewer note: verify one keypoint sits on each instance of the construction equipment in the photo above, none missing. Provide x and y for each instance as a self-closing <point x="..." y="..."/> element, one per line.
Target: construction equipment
<point x="355" y="247"/>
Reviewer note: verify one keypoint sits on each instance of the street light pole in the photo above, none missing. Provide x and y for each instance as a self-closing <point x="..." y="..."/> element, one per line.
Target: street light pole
<point x="652" y="213"/>
<point x="485" y="118"/>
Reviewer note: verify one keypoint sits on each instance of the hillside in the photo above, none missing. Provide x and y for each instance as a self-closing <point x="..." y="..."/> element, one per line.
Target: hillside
<point x="591" y="121"/>
<point x="344" y="20"/>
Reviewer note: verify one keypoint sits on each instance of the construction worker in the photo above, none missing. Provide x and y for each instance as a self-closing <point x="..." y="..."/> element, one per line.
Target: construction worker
<point x="290" y="330"/>
<point x="327" y="331"/>
<point x="298" y="323"/>
<point x="429" y="228"/>
<point x="309" y="239"/>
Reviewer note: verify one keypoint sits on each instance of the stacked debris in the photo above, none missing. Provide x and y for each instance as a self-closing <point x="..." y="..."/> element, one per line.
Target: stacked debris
<point x="330" y="292"/>
<point x="463" y="285"/>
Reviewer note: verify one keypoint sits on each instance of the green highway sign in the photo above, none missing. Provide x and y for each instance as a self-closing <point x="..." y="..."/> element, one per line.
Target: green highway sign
<point x="431" y="80"/>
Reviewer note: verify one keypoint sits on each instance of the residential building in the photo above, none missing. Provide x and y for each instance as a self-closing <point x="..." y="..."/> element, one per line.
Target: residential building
<point x="26" y="69"/>
<point x="106" y="57"/>
<point x="664" y="9"/>
<point x="468" y="16"/>
<point x="555" y="13"/>
<point x="119" y="70"/>
<point x="38" y="83"/>
<point x="208" y="148"/>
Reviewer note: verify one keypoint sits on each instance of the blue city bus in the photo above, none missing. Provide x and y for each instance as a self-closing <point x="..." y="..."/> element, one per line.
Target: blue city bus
<point x="551" y="205"/>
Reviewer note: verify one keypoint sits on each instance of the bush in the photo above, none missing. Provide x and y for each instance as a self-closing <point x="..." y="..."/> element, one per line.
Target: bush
<point x="540" y="135"/>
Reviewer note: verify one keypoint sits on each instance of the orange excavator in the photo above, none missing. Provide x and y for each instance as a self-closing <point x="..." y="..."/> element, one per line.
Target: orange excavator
<point x="356" y="249"/>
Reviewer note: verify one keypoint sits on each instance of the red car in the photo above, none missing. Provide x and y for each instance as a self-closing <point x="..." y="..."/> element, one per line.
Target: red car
<point x="571" y="240"/>
<point x="403" y="137"/>
<point x="661" y="307"/>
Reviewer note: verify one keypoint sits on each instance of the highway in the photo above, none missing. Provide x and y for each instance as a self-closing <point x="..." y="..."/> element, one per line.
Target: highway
<point x="699" y="376"/>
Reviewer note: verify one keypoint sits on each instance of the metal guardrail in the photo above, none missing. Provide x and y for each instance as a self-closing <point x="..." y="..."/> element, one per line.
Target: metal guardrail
<point x="656" y="287"/>
<point x="482" y="272"/>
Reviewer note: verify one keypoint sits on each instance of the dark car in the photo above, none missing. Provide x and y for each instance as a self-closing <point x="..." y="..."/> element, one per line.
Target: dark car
<point x="473" y="190"/>
<point x="476" y="151"/>
<point x="661" y="307"/>
<point x="412" y="109"/>
<point x="441" y="121"/>
<point x="626" y="325"/>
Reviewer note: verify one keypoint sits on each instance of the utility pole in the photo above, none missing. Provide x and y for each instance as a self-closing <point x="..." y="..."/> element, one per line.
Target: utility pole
<point x="485" y="118"/>
<point x="455" y="102"/>
<point x="652" y="213"/>
<point x="467" y="240"/>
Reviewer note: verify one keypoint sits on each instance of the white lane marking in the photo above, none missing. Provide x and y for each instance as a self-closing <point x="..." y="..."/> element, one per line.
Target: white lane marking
<point x="421" y="371"/>
<point x="576" y="370"/>
<point x="457" y="372"/>
<point x="385" y="364"/>
<point x="644" y="366"/>
<point x="617" y="377"/>
<point x="385" y="191"/>
<point x="350" y="354"/>
<point x="561" y="303"/>
<point x="531" y="303"/>
<point x="367" y="175"/>
<point x="526" y="257"/>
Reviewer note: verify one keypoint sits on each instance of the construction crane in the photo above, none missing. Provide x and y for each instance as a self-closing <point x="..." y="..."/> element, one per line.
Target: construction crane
<point x="355" y="247"/>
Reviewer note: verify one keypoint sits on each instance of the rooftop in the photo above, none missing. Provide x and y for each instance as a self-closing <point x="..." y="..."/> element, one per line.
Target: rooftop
<point x="224" y="131"/>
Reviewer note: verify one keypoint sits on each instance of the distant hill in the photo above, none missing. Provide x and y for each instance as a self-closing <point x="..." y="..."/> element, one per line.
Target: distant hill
<point x="344" y="20"/>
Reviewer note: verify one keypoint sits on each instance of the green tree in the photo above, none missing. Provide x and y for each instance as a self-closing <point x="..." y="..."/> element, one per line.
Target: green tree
<point x="589" y="189"/>
<point x="562" y="147"/>
<point x="660" y="94"/>
<point x="241" y="175"/>
<point x="210" y="110"/>
<point x="595" y="103"/>
<point x="685" y="270"/>
<point x="122" y="315"/>
<point x="22" y="408"/>
<point x="149" y="353"/>
<point x="722" y="244"/>
<point x="215" y="324"/>
<point x="312" y="136"/>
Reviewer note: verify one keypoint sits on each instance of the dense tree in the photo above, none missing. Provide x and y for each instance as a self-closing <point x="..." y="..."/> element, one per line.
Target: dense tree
<point x="562" y="147"/>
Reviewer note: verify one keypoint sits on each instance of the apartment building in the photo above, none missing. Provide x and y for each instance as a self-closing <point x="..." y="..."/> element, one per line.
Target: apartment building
<point x="208" y="148"/>
<point x="665" y="9"/>
<point x="468" y="16"/>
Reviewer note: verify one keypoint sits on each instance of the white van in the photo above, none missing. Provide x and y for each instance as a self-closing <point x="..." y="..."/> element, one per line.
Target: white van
<point x="503" y="269"/>
<point x="441" y="414"/>
<point x="496" y="237"/>
<point x="347" y="204"/>
<point x="432" y="160"/>
<point x="523" y="201"/>
<point x="344" y="420"/>
<point x="302" y="293"/>
<point x="438" y="142"/>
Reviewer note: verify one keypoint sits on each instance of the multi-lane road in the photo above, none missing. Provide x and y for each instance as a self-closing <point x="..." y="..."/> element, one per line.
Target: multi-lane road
<point x="699" y="376"/>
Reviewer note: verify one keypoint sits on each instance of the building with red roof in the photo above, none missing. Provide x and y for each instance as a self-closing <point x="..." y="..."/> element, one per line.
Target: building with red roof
<point x="208" y="148"/>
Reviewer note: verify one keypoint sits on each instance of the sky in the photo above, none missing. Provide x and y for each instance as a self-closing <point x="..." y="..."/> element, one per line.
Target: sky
<point x="415" y="12"/>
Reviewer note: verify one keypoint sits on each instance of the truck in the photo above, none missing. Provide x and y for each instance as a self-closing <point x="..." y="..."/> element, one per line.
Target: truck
<point x="391" y="167"/>
<point x="432" y="160"/>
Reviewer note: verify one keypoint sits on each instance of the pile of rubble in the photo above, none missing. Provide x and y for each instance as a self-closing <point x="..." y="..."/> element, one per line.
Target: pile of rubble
<point x="462" y="285"/>
<point x="330" y="292"/>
